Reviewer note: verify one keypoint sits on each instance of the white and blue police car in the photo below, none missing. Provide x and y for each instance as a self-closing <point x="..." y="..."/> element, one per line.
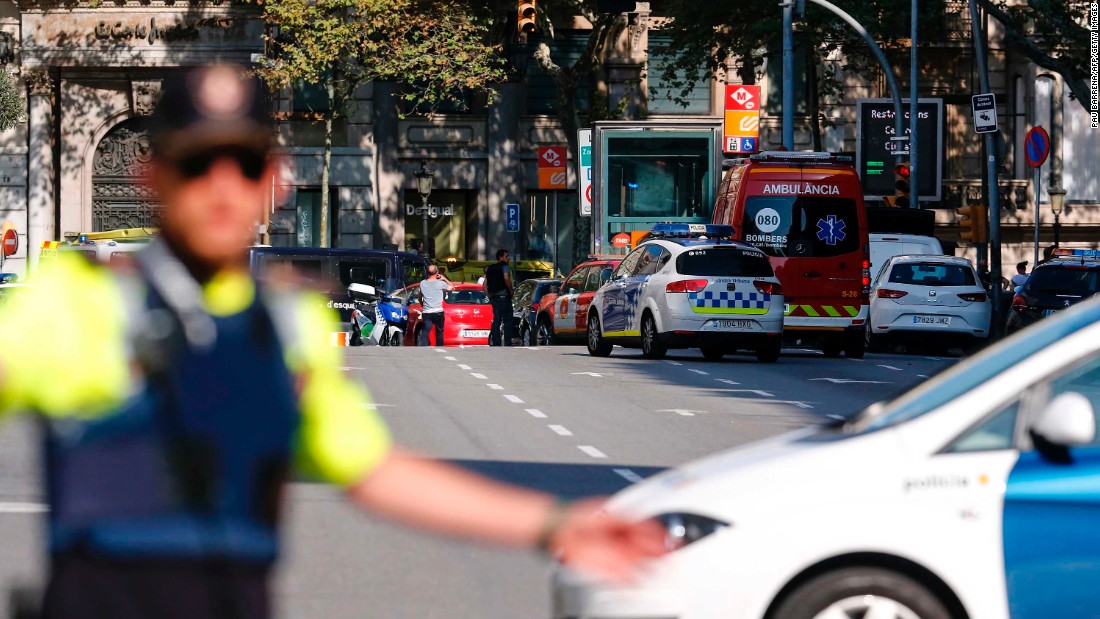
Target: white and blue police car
<point x="690" y="286"/>
<point x="974" y="495"/>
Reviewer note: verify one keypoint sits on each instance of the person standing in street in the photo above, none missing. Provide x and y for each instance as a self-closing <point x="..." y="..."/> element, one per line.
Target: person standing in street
<point x="1020" y="278"/>
<point x="498" y="285"/>
<point x="197" y="392"/>
<point x="431" y="303"/>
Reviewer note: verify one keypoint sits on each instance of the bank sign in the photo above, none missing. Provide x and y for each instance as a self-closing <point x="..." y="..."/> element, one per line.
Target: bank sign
<point x="875" y="164"/>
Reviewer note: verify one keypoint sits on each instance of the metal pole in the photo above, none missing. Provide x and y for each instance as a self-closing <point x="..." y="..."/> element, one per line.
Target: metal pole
<point x="788" y="74"/>
<point x="1038" y="190"/>
<point x="993" y="202"/>
<point x="424" y="210"/>
<point x="914" y="176"/>
<point x="1057" y="231"/>
<point x="555" y="213"/>
<point x="899" y="121"/>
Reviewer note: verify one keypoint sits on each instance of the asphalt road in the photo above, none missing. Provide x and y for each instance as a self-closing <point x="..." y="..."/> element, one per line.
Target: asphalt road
<point x="551" y="418"/>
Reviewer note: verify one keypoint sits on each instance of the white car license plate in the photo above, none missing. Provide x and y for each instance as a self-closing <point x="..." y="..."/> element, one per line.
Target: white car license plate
<point x="732" y="324"/>
<point x="475" y="333"/>
<point x="936" y="321"/>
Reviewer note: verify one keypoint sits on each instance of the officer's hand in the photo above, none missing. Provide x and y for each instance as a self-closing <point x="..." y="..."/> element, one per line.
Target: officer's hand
<point x="594" y="542"/>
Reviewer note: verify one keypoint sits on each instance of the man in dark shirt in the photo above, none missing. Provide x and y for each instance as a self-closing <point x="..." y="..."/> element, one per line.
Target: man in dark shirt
<point x="498" y="285"/>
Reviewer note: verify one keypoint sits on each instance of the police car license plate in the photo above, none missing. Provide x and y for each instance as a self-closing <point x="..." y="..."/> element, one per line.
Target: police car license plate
<point x="936" y="321"/>
<point x="475" y="333"/>
<point x="732" y="324"/>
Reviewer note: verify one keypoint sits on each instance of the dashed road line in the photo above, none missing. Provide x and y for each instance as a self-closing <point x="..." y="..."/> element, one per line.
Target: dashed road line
<point x="727" y="381"/>
<point x="889" y="367"/>
<point x="534" y="412"/>
<point x="494" y="386"/>
<point x="700" y="372"/>
<point x="560" y="430"/>
<point x="673" y="362"/>
<point x="514" y="399"/>
<point x="440" y="350"/>
<point x="758" y="392"/>
<point x="592" y="451"/>
<point x="683" y="412"/>
<point x="450" y="359"/>
<point x="478" y="376"/>
<point x="463" y="366"/>
<point x="922" y="376"/>
<point x="628" y="475"/>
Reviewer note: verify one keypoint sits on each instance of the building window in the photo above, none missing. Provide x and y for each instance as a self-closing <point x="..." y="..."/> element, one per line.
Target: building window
<point x="542" y="91"/>
<point x="663" y="92"/>
<point x="308" y="217"/>
<point x="308" y="98"/>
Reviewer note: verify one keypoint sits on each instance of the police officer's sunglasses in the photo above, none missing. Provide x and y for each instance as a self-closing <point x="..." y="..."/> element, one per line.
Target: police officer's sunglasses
<point x="250" y="162"/>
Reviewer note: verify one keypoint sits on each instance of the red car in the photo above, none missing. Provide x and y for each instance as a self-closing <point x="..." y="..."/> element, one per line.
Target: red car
<point x="565" y="315"/>
<point x="468" y="316"/>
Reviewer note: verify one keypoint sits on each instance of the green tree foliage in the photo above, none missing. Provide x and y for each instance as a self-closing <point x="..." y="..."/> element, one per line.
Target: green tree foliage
<point x="1053" y="34"/>
<point x="12" y="107"/>
<point x="439" y="49"/>
<point x="709" y="34"/>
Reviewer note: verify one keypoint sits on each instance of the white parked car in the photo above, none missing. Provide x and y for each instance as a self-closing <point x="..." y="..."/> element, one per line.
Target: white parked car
<point x="974" y="495"/>
<point x="690" y="286"/>
<point x="936" y="300"/>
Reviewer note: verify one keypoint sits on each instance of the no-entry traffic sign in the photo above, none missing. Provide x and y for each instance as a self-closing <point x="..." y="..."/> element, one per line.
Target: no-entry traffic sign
<point x="1036" y="146"/>
<point x="10" y="241"/>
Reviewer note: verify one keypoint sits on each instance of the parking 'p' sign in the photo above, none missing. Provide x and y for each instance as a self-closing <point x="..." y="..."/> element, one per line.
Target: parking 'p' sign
<point x="1036" y="146"/>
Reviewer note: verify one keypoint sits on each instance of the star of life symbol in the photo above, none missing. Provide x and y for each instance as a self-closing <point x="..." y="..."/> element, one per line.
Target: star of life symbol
<point x="831" y="230"/>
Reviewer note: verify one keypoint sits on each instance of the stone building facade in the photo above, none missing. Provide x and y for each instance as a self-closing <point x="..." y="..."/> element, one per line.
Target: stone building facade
<point x="92" y="73"/>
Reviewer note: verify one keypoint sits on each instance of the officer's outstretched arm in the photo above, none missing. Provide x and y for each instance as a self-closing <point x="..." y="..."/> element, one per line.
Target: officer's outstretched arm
<point x="446" y="499"/>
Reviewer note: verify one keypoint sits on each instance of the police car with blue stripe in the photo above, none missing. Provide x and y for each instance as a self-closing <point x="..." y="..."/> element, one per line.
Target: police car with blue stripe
<point x="974" y="495"/>
<point x="688" y="286"/>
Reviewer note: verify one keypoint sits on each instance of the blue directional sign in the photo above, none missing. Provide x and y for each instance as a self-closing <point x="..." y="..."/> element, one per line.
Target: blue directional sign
<point x="512" y="217"/>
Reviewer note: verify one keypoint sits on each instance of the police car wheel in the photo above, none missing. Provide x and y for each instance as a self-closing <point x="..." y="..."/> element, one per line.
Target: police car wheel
<point x="652" y="347"/>
<point x="862" y="592"/>
<point x="769" y="351"/>
<point x="597" y="345"/>
<point x="545" y="334"/>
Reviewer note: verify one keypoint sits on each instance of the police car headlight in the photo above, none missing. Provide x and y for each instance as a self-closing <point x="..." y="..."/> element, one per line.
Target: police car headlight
<point x="684" y="528"/>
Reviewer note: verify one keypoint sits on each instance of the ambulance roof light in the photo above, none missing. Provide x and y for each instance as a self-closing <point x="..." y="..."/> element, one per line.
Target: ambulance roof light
<point x="814" y="156"/>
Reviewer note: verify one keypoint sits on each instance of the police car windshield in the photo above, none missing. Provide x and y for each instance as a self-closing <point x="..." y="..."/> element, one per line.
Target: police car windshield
<point x="976" y="370"/>
<point x="802" y="226"/>
<point x="1064" y="280"/>
<point x="723" y="262"/>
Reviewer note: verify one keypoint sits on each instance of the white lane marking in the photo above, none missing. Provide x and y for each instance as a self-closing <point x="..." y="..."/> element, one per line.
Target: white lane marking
<point x="756" y="391"/>
<point x="560" y="430"/>
<point x="494" y="386"/>
<point x="23" y="508"/>
<point x="673" y="362"/>
<point x="463" y="366"/>
<point x="700" y="372"/>
<point x="934" y="358"/>
<point x="680" y="411"/>
<point x="514" y="399"/>
<point x="851" y="359"/>
<point x="727" y="381"/>
<point x="848" y="381"/>
<point x="922" y="376"/>
<point x="478" y="376"/>
<point x="534" y="412"/>
<point x="373" y="405"/>
<point x="592" y="451"/>
<point x="352" y="368"/>
<point x="889" y="367"/>
<point x="798" y="403"/>
<point x="628" y="475"/>
<point x="592" y="374"/>
<point x="450" y="359"/>
<point x="440" y="350"/>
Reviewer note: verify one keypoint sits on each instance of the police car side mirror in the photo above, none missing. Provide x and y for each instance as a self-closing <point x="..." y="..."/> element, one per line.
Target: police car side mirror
<point x="1068" y="421"/>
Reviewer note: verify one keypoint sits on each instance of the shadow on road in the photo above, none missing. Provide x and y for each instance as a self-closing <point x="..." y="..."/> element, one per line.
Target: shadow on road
<point x="570" y="481"/>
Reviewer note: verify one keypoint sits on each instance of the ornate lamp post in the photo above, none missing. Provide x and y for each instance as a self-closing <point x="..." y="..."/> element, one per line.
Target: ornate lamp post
<point x="1057" y="204"/>
<point x="424" y="178"/>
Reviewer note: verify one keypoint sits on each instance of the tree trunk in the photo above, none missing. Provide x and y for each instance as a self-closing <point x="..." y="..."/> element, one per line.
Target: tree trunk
<point x="326" y="163"/>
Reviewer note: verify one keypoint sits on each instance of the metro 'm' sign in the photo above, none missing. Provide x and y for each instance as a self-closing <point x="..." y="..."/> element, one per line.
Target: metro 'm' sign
<point x="741" y="133"/>
<point x="552" y="167"/>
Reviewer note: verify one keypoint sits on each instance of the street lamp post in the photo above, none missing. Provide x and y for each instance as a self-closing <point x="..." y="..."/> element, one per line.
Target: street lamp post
<point x="424" y="178"/>
<point x="1057" y="204"/>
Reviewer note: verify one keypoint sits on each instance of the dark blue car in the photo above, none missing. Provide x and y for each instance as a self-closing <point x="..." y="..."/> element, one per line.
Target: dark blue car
<point x="525" y="306"/>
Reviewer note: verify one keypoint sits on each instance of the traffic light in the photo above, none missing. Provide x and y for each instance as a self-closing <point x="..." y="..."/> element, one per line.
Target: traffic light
<point x="901" y="186"/>
<point x="973" y="220"/>
<point x="525" y="16"/>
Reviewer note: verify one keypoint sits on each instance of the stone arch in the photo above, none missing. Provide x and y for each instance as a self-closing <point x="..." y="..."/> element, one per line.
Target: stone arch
<point x="119" y="197"/>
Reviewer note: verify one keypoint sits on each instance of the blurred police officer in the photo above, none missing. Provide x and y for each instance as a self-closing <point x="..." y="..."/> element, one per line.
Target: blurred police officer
<point x="188" y="392"/>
